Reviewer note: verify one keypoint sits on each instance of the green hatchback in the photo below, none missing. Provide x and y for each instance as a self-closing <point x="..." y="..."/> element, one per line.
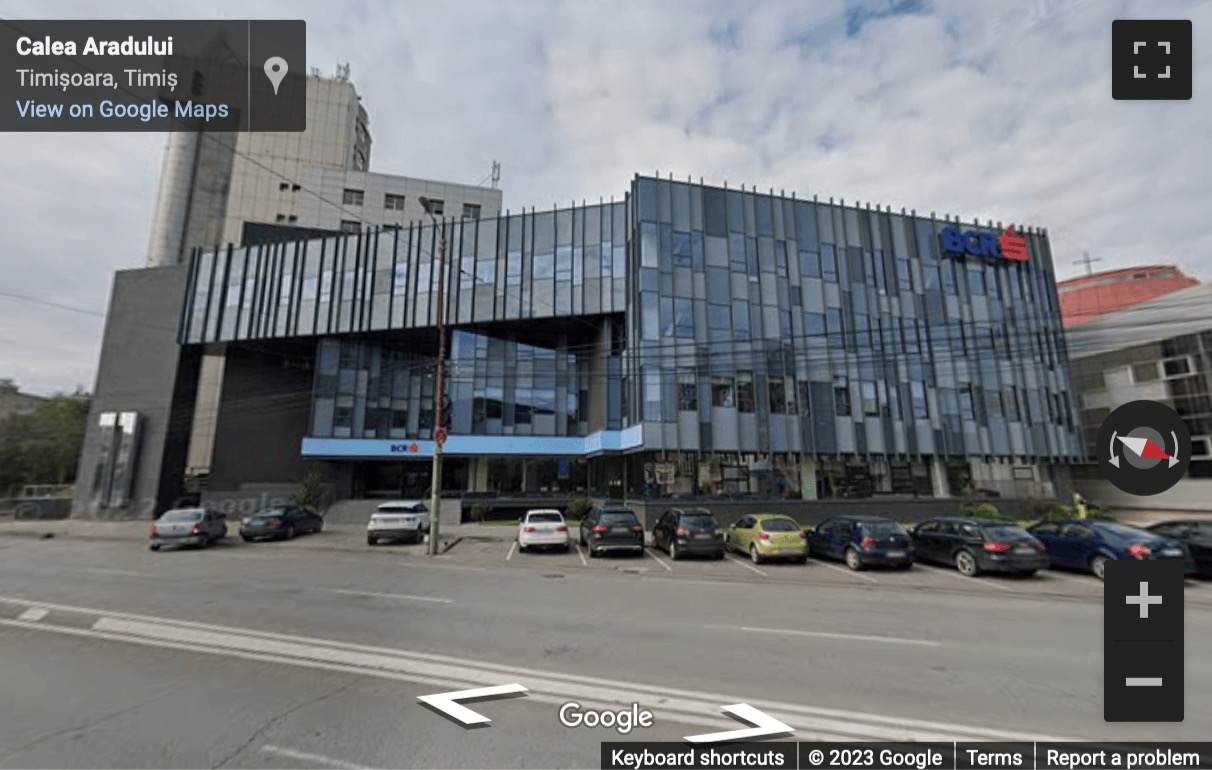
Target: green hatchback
<point x="768" y="536"/>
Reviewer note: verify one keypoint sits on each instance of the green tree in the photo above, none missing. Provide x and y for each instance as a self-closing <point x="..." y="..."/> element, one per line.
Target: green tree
<point x="43" y="447"/>
<point x="312" y="490"/>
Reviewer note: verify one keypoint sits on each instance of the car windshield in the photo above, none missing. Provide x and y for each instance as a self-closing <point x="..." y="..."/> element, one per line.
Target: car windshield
<point x="544" y="517"/>
<point x="698" y="521"/>
<point x="1004" y="532"/>
<point x="269" y="513"/>
<point x="881" y="528"/>
<point x="1121" y="530"/>
<point x="780" y="525"/>
<point x="619" y="518"/>
<point x="182" y="516"/>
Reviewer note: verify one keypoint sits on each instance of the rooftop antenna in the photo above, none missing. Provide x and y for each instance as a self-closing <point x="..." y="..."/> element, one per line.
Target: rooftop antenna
<point x="343" y="72"/>
<point x="496" y="174"/>
<point x="1088" y="261"/>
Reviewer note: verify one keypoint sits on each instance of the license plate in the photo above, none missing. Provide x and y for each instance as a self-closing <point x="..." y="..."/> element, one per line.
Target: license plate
<point x="703" y="535"/>
<point x="789" y="550"/>
<point x="896" y="554"/>
<point x="1024" y="549"/>
<point x="1172" y="552"/>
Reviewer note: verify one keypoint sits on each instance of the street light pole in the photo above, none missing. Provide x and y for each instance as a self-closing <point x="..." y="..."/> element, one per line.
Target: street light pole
<point x="435" y="501"/>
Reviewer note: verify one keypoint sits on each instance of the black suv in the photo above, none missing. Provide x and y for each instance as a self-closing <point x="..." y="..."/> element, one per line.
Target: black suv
<point x="612" y="529"/>
<point x="681" y="532"/>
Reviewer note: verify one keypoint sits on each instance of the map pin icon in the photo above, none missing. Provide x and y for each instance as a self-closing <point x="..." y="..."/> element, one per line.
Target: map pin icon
<point x="275" y="70"/>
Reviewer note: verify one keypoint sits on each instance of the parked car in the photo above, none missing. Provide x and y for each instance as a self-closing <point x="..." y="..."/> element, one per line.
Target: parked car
<point x="979" y="545"/>
<point x="688" y="531"/>
<point x="1090" y="544"/>
<point x="1196" y="535"/>
<point x="187" y="526"/>
<point x="406" y="520"/>
<point x="766" y="536"/>
<point x="862" y="541"/>
<point x="281" y="523"/>
<point x="543" y="528"/>
<point x="612" y="529"/>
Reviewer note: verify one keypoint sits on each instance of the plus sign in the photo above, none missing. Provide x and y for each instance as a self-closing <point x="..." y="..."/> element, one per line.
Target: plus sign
<point x="1144" y="600"/>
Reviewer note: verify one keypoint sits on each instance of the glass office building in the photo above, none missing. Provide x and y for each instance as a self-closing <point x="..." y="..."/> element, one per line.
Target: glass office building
<point x="688" y="340"/>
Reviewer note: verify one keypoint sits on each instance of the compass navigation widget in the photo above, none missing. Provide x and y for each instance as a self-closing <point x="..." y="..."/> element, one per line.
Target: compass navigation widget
<point x="1144" y="448"/>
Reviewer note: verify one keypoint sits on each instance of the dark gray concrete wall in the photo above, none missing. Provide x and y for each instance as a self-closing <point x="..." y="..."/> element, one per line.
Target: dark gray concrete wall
<point x="263" y="416"/>
<point x="142" y="370"/>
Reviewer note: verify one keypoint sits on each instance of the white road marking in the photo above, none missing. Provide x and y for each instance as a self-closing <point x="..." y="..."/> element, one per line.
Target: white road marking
<point x="406" y="597"/>
<point x="512" y="546"/>
<point x="684" y="706"/>
<point x="658" y="559"/>
<point x="848" y="571"/>
<point x="974" y="581"/>
<point x="854" y="637"/>
<point x="582" y="555"/>
<point x="305" y="756"/>
<point x="33" y="614"/>
<point x="744" y="564"/>
<point x="125" y="572"/>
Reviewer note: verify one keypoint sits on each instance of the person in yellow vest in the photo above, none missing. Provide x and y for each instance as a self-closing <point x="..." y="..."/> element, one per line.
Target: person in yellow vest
<point x="1079" y="504"/>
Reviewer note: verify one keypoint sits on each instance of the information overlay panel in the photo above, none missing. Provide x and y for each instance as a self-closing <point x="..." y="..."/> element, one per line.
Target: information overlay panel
<point x="109" y="75"/>
<point x="780" y="755"/>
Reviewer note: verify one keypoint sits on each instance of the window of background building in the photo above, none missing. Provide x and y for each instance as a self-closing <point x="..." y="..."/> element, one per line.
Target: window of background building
<point x="967" y="403"/>
<point x="1146" y="372"/>
<point x="359" y="160"/>
<point x="682" y="250"/>
<point x="814" y="324"/>
<point x="471" y="211"/>
<point x="810" y="264"/>
<point x="353" y="198"/>
<point x="281" y="218"/>
<point x="350" y="226"/>
<point x="721" y="392"/>
<point x="834" y="328"/>
<point x="719" y="317"/>
<point x="438" y="207"/>
<point x="904" y="275"/>
<point x="744" y="392"/>
<point x="394" y="202"/>
<point x="1177" y="367"/>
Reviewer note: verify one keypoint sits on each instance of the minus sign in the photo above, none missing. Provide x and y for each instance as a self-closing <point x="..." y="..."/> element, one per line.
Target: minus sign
<point x="1143" y="681"/>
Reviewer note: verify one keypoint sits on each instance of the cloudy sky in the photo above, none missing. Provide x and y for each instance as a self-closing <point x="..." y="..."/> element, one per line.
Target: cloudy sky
<point x="997" y="109"/>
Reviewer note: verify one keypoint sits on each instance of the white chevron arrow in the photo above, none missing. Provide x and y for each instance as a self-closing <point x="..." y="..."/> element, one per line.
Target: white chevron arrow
<point x="764" y="724"/>
<point x="445" y="702"/>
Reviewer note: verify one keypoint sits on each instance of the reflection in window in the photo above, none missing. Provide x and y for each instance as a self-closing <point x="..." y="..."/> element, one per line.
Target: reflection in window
<point x="904" y="275"/>
<point x="810" y="264"/>
<point x="682" y="251"/>
<point x="744" y="392"/>
<point x="814" y="324"/>
<point x="652" y="394"/>
<point x="917" y="391"/>
<point x="721" y="392"/>
<point x="871" y="404"/>
<point x="683" y="318"/>
<point x="740" y="320"/>
<point x="543" y="266"/>
<point x="841" y="396"/>
<point x="719" y="317"/>
<point x="834" y="327"/>
<point x="967" y="403"/>
<point x="828" y="262"/>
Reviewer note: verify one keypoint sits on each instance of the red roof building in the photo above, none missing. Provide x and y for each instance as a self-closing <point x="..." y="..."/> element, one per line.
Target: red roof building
<point x="1094" y="296"/>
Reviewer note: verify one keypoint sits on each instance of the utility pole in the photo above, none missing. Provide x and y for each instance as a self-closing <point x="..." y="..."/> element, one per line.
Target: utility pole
<point x="439" y="431"/>
<point x="1088" y="262"/>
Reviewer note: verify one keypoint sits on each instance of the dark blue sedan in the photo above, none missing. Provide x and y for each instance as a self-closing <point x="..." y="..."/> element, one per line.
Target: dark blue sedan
<point x="1089" y="545"/>
<point x="862" y="541"/>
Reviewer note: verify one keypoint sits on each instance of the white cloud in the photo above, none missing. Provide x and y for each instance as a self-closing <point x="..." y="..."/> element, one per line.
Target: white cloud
<point x="996" y="110"/>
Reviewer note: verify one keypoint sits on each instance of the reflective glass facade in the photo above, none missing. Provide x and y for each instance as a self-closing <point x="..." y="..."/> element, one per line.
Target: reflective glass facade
<point x="713" y="321"/>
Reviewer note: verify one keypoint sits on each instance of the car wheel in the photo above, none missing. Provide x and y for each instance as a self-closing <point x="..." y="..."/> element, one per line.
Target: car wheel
<point x="965" y="562"/>
<point x="319" y="526"/>
<point x="521" y="548"/>
<point x="246" y="538"/>
<point x="290" y="532"/>
<point x="674" y="553"/>
<point x="853" y="560"/>
<point x="905" y="565"/>
<point x="593" y="554"/>
<point x="565" y="548"/>
<point x="802" y="560"/>
<point x="205" y="542"/>
<point x="720" y="556"/>
<point x="1098" y="565"/>
<point x="753" y="554"/>
<point x="1027" y="573"/>
<point x="372" y="540"/>
<point x="153" y="547"/>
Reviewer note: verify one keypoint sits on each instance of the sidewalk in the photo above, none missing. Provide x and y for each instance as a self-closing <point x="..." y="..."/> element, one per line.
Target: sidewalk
<point x="337" y="537"/>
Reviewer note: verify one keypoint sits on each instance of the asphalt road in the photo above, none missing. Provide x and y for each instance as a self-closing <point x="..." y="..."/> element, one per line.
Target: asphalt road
<point x="284" y="655"/>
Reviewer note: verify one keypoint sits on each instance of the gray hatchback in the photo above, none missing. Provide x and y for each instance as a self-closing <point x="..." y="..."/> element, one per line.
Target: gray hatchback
<point x="187" y="526"/>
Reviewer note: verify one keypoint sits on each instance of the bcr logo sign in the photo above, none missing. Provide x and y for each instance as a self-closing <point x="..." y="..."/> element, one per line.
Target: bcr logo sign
<point x="973" y="243"/>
